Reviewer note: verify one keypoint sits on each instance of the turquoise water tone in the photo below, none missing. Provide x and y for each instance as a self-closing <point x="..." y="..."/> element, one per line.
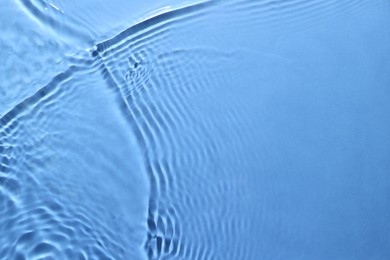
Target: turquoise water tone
<point x="237" y="129"/>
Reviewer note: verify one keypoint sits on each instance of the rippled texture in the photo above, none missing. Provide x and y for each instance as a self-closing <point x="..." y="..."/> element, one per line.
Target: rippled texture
<point x="194" y="130"/>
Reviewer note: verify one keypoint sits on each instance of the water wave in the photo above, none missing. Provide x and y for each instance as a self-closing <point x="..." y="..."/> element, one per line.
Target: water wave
<point x="205" y="131"/>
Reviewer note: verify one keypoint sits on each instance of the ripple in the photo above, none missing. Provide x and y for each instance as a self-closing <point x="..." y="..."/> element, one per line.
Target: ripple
<point x="163" y="90"/>
<point x="182" y="136"/>
<point x="44" y="219"/>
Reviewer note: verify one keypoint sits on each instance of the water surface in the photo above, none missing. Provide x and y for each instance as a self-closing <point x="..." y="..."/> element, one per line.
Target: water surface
<point x="194" y="130"/>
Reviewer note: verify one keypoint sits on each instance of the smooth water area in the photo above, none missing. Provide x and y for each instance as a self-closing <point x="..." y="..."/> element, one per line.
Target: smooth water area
<point x="176" y="129"/>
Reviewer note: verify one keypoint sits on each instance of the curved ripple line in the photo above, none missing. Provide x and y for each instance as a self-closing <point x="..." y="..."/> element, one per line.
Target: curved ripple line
<point x="161" y="18"/>
<point x="149" y="119"/>
<point x="40" y="94"/>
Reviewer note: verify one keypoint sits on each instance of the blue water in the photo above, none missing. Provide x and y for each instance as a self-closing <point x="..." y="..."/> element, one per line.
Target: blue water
<point x="176" y="129"/>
